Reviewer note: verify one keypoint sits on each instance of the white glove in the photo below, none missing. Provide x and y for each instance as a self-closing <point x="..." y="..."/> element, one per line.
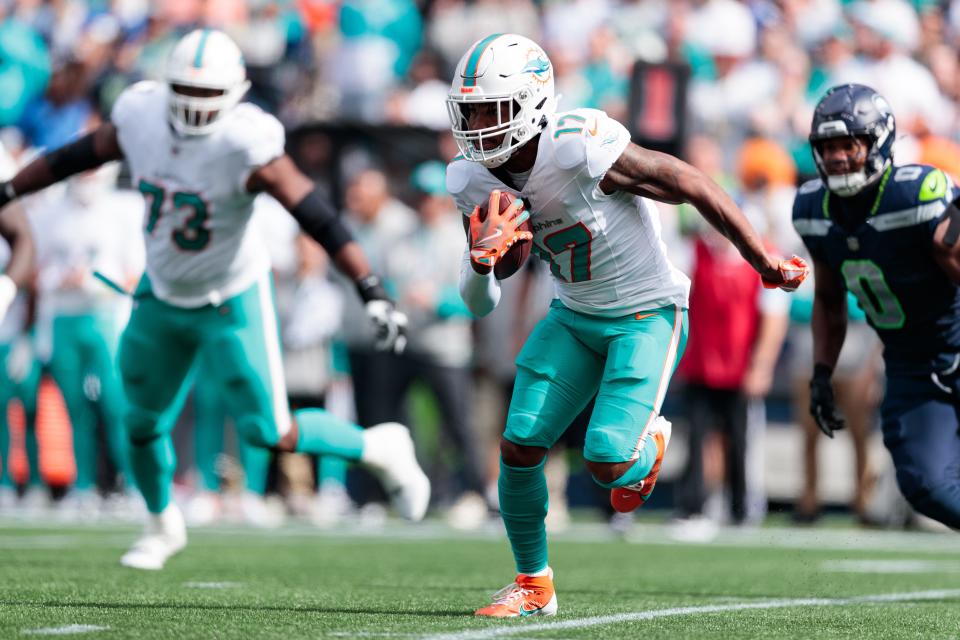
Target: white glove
<point x="391" y="325"/>
<point x="8" y="291"/>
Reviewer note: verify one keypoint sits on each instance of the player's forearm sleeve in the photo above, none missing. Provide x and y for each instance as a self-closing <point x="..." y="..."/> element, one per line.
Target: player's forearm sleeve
<point x="320" y="220"/>
<point x="480" y="292"/>
<point x="73" y="158"/>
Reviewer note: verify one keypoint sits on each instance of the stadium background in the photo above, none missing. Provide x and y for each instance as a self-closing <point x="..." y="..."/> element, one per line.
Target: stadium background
<point x="360" y="86"/>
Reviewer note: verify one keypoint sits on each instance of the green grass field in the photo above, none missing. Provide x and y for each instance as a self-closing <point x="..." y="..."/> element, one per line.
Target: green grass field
<point x="424" y="581"/>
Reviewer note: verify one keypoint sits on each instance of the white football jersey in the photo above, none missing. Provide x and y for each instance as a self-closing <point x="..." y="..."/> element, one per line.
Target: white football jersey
<point x="200" y="248"/>
<point x="79" y="235"/>
<point x="604" y="251"/>
<point x="13" y="323"/>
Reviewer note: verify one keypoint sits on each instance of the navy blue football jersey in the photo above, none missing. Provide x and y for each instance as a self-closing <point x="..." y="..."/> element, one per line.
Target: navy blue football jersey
<point x="887" y="260"/>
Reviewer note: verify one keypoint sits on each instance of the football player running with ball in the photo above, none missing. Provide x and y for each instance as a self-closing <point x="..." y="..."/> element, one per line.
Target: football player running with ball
<point x="889" y="235"/>
<point x="617" y="327"/>
<point x="200" y="157"/>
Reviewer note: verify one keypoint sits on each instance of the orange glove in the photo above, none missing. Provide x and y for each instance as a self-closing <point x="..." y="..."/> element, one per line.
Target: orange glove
<point x="493" y="236"/>
<point x="792" y="273"/>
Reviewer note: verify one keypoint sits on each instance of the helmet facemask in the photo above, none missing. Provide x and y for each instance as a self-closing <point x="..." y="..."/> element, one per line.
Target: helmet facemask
<point x="195" y="110"/>
<point x="850" y="184"/>
<point x="517" y="123"/>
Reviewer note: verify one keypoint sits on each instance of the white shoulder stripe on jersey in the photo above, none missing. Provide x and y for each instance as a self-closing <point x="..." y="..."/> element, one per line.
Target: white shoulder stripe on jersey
<point x="907" y="217"/>
<point x="812" y="227"/>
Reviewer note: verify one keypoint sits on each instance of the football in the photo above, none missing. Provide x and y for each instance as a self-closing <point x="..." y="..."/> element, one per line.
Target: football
<point x="514" y="258"/>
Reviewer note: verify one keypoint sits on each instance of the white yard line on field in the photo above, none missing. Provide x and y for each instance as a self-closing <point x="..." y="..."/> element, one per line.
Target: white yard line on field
<point x="639" y="616"/>
<point x="70" y="629"/>
<point x="212" y="585"/>
<point x="890" y="566"/>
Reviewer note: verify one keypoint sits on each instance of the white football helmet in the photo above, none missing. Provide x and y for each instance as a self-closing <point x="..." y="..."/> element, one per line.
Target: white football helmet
<point x="204" y="59"/>
<point x="513" y="72"/>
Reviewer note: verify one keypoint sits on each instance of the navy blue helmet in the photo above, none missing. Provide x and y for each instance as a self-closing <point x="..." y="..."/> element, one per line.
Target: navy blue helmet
<point x="854" y="110"/>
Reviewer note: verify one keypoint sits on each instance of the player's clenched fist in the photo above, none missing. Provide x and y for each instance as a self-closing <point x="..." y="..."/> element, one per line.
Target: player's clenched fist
<point x="790" y="274"/>
<point x="492" y="235"/>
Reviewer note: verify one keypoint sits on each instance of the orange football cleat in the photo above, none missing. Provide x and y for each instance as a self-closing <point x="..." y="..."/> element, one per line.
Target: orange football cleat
<point x="626" y="499"/>
<point x="527" y="596"/>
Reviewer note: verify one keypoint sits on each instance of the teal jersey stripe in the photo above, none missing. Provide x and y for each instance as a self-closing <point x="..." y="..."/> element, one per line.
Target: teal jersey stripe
<point x="198" y="59"/>
<point x="470" y="70"/>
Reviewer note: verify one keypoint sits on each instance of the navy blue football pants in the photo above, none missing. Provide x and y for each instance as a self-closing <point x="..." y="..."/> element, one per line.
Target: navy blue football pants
<point x="921" y="429"/>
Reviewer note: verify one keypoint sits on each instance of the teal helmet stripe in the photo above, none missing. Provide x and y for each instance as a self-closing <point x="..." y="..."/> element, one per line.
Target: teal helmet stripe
<point x="470" y="69"/>
<point x="198" y="59"/>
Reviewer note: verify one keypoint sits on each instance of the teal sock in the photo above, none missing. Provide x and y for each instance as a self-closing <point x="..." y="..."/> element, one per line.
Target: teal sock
<point x="84" y="452"/>
<point x="523" y="507"/>
<point x="256" y="464"/>
<point x="207" y="445"/>
<point x="639" y="470"/>
<point x="322" y="433"/>
<point x="331" y="470"/>
<point x="153" y="463"/>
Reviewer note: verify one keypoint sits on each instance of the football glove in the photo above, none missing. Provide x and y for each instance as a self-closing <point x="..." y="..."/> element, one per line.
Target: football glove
<point x="823" y="407"/>
<point x="390" y="322"/>
<point x="791" y="273"/>
<point x="8" y="291"/>
<point x="493" y="236"/>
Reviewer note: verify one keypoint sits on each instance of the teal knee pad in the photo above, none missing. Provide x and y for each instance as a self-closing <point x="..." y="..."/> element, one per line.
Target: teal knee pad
<point x="142" y="425"/>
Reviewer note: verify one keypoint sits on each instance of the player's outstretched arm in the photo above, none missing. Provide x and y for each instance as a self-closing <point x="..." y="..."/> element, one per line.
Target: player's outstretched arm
<point x="16" y="231"/>
<point x="88" y="152"/>
<point x="663" y="177"/>
<point x="829" y="324"/>
<point x="300" y="196"/>
<point x="946" y="247"/>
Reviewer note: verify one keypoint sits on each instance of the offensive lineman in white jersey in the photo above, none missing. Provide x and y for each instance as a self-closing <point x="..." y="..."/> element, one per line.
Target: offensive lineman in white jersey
<point x="618" y="325"/>
<point x="200" y="158"/>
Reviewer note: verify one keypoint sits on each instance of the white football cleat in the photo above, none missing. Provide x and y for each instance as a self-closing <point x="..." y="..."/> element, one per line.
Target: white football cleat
<point x="388" y="451"/>
<point x="331" y="506"/>
<point x="258" y="512"/>
<point x="203" y="509"/>
<point x="164" y="535"/>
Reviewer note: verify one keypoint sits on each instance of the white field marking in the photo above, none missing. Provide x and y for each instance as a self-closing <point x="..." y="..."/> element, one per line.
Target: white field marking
<point x="212" y="585"/>
<point x="890" y="566"/>
<point x="58" y="541"/>
<point x="369" y="634"/>
<point x="639" y="616"/>
<point x="853" y="540"/>
<point x="69" y="629"/>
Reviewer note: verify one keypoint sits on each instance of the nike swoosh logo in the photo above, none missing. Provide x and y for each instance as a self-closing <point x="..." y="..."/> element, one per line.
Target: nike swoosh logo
<point x="641" y="316"/>
<point x="593" y="131"/>
<point x="525" y="612"/>
<point x="495" y="234"/>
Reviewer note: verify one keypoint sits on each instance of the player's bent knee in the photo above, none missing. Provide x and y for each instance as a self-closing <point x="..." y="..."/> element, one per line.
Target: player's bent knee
<point x="937" y="500"/>
<point x="142" y="425"/>
<point x="610" y="474"/>
<point x="521" y="455"/>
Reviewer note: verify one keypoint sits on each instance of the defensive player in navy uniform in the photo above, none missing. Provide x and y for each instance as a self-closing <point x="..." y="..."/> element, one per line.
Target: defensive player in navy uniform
<point x="888" y="234"/>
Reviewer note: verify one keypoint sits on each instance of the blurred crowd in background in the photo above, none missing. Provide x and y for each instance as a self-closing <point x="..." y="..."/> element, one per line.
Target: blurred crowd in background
<point x="360" y="85"/>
